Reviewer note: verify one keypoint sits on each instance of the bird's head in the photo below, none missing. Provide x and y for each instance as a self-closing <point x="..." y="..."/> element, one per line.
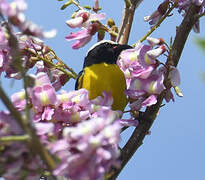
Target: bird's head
<point x="104" y="51"/>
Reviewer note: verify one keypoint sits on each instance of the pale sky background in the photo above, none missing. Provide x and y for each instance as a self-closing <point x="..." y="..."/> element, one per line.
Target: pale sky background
<point x="175" y="150"/>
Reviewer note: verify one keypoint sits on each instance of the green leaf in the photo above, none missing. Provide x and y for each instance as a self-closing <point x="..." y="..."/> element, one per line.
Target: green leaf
<point x="201" y="43"/>
<point x="68" y="3"/>
<point x="60" y="0"/>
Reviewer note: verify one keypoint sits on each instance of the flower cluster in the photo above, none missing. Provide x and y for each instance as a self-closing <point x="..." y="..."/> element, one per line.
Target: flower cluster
<point x="84" y="134"/>
<point x="89" y="24"/>
<point x="33" y="53"/>
<point x="27" y="49"/>
<point x="16" y="161"/>
<point x="89" y="149"/>
<point x="144" y="75"/>
<point x="17" y="50"/>
<point x="25" y="44"/>
<point x="182" y="6"/>
<point x="14" y="12"/>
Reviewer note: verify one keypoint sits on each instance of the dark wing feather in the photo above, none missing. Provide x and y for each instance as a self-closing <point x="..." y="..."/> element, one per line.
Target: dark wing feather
<point x="79" y="80"/>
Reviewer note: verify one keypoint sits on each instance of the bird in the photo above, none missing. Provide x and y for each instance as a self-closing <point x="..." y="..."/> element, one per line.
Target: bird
<point x="101" y="73"/>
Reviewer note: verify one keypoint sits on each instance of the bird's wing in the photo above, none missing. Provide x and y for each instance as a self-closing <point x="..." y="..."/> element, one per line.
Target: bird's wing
<point x="79" y="80"/>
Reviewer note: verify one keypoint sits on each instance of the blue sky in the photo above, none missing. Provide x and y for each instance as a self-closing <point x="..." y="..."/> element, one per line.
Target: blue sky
<point x="175" y="149"/>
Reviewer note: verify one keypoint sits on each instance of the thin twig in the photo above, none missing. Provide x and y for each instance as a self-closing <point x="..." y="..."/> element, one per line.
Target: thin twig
<point x="65" y="65"/>
<point x="201" y="15"/>
<point x="77" y="4"/>
<point x="69" y="74"/>
<point x="159" y="23"/>
<point x="15" y="138"/>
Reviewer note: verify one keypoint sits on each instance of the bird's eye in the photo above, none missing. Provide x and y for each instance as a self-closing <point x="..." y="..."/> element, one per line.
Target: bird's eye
<point x="108" y="45"/>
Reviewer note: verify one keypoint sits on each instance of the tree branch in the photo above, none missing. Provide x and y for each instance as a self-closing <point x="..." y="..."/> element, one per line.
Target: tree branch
<point x="183" y="31"/>
<point x="127" y="19"/>
<point x="137" y="137"/>
<point x="147" y="118"/>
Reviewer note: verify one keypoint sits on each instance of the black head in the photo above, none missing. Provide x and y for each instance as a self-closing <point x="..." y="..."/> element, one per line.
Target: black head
<point x="104" y="51"/>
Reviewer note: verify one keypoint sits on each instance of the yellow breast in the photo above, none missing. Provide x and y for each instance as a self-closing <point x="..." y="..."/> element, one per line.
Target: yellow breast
<point x="106" y="77"/>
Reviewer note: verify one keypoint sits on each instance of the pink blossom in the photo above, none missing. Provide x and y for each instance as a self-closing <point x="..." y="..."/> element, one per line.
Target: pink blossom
<point x="138" y="62"/>
<point x="22" y="159"/>
<point x="156" y="15"/>
<point x="182" y="6"/>
<point x="83" y="36"/>
<point x="43" y="96"/>
<point x="15" y="13"/>
<point x="90" y="146"/>
<point x="89" y="26"/>
<point x="144" y="78"/>
<point x="141" y="88"/>
<point x="174" y="76"/>
<point x="83" y="18"/>
<point x="44" y="128"/>
<point x="18" y="100"/>
<point x="154" y="41"/>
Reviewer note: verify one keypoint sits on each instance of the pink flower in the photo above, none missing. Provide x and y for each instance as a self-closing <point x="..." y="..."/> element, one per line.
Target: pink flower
<point x="152" y="85"/>
<point x="144" y="78"/>
<point x="83" y="18"/>
<point x="23" y="162"/>
<point x="15" y="13"/>
<point x="89" y="149"/>
<point x="106" y="100"/>
<point x="44" y="128"/>
<point x="139" y="62"/>
<point x="155" y="41"/>
<point x="183" y="6"/>
<point x="89" y="26"/>
<point x="174" y="76"/>
<point x="83" y="36"/>
<point x="156" y="16"/>
<point x="43" y="93"/>
<point x="140" y="89"/>
<point x="18" y="100"/>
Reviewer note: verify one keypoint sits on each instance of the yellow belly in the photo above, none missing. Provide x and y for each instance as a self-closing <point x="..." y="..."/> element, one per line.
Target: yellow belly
<point x="106" y="77"/>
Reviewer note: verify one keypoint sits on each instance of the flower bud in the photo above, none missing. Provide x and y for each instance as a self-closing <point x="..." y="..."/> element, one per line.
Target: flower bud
<point x="110" y="22"/>
<point x="154" y="53"/>
<point x="178" y="91"/>
<point x="96" y="6"/>
<point x="155" y="41"/>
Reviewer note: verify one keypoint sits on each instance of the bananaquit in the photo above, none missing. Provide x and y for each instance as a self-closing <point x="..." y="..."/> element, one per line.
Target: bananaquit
<point x="101" y="73"/>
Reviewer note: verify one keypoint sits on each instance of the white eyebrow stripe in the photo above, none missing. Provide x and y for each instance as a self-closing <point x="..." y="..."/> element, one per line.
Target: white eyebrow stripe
<point x="98" y="43"/>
